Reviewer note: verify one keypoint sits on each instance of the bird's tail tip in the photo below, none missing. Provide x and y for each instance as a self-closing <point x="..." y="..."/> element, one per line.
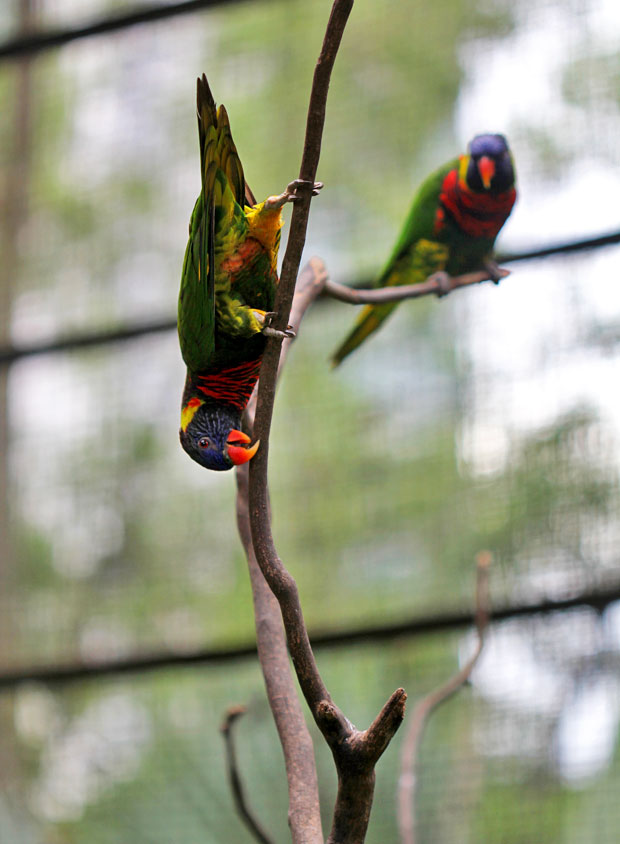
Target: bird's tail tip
<point x="204" y="96"/>
<point x="367" y="323"/>
<point x="343" y="351"/>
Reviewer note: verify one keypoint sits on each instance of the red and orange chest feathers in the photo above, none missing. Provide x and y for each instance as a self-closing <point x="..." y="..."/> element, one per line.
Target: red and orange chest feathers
<point x="232" y="385"/>
<point x="476" y="214"/>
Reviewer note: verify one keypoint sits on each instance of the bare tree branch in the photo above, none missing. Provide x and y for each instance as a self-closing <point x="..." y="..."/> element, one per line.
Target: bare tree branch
<point x="355" y="752"/>
<point x="439" y="284"/>
<point x="280" y="581"/>
<point x="425" y="707"/>
<point x="232" y="714"/>
<point x="303" y="790"/>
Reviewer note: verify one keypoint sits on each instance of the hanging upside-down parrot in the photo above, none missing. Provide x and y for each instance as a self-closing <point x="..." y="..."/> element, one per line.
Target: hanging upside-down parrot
<point x="227" y="294"/>
<point x="452" y="225"/>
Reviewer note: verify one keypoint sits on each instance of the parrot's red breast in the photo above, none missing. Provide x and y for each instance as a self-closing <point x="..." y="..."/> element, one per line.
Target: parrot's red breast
<point x="476" y="214"/>
<point x="233" y="384"/>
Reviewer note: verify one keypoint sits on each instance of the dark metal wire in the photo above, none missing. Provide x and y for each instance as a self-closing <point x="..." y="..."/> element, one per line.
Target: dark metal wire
<point x="141" y="664"/>
<point x="10" y="354"/>
<point x="561" y="248"/>
<point x="36" y="42"/>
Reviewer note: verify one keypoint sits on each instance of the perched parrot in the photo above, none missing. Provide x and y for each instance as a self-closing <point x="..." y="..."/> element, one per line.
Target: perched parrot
<point x="228" y="289"/>
<point x="452" y="225"/>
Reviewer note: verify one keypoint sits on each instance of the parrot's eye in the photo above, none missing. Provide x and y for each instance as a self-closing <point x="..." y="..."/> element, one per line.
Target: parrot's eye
<point x="204" y="442"/>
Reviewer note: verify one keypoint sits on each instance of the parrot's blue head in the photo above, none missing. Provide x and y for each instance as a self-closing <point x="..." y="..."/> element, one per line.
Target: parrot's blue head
<point x="211" y="436"/>
<point x="490" y="167"/>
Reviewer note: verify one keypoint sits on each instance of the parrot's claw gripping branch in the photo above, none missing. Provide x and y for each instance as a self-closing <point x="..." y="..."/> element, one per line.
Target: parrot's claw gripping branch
<point x="268" y="331"/>
<point x="496" y="273"/>
<point x="275" y="332"/>
<point x="444" y="283"/>
<point x="305" y="184"/>
<point x="292" y="193"/>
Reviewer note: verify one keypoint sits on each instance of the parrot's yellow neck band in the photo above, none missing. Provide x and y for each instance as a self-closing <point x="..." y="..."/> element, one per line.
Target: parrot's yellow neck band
<point x="188" y="412"/>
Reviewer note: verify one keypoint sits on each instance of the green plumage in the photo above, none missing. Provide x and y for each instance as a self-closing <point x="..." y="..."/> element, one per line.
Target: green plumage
<point x="438" y="236"/>
<point x="228" y="276"/>
<point x="228" y="288"/>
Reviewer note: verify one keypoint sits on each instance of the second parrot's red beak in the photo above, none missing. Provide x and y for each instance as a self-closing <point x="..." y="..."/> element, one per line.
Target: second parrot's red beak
<point x="486" y="168"/>
<point x="239" y="448"/>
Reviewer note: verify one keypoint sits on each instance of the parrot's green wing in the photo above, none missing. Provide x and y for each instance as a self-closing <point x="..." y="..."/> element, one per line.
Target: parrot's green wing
<point x="415" y="256"/>
<point x="420" y="223"/>
<point x="221" y="199"/>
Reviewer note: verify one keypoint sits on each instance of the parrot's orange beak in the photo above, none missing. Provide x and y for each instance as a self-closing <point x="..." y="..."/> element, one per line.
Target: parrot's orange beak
<point x="486" y="168"/>
<point x="239" y="448"/>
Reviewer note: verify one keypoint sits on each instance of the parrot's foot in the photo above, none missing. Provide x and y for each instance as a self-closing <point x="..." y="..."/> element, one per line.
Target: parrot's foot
<point x="290" y="194"/>
<point x="274" y="332"/>
<point x="291" y="188"/>
<point x="444" y="283"/>
<point x="266" y="318"/>
<point x="496" y="274"/>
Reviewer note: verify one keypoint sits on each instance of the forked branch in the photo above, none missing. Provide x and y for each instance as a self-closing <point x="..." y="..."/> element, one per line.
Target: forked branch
<point x="303" y="791"/>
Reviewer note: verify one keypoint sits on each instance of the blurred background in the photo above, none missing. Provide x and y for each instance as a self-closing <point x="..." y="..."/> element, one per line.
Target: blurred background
<point x="489" y="420"/>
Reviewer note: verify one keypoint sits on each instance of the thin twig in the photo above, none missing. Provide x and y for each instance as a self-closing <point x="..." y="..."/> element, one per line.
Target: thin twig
<point x="232" y="714"/>
<point x="424" y="708"/>
<point x="439" y="285"/>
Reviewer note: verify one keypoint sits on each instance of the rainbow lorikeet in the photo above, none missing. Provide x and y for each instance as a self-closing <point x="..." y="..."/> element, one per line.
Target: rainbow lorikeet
<point x="228" y="289"/>
<point x="452" y="225"/>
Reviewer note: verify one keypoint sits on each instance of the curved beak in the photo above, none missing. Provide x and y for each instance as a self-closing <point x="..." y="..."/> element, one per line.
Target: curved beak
<point x="486" y="168"/>
<point x="238" y="447"/>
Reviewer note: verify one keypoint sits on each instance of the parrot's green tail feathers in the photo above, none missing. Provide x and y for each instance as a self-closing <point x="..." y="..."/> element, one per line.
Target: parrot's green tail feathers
<point x="413" y="267"/>
<point x="228" y="157"/>
<point x="369" y="320"/>
<point x="204" y="100"/>
<point x="217" y="147"/>
<point x="207" y="117"/>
